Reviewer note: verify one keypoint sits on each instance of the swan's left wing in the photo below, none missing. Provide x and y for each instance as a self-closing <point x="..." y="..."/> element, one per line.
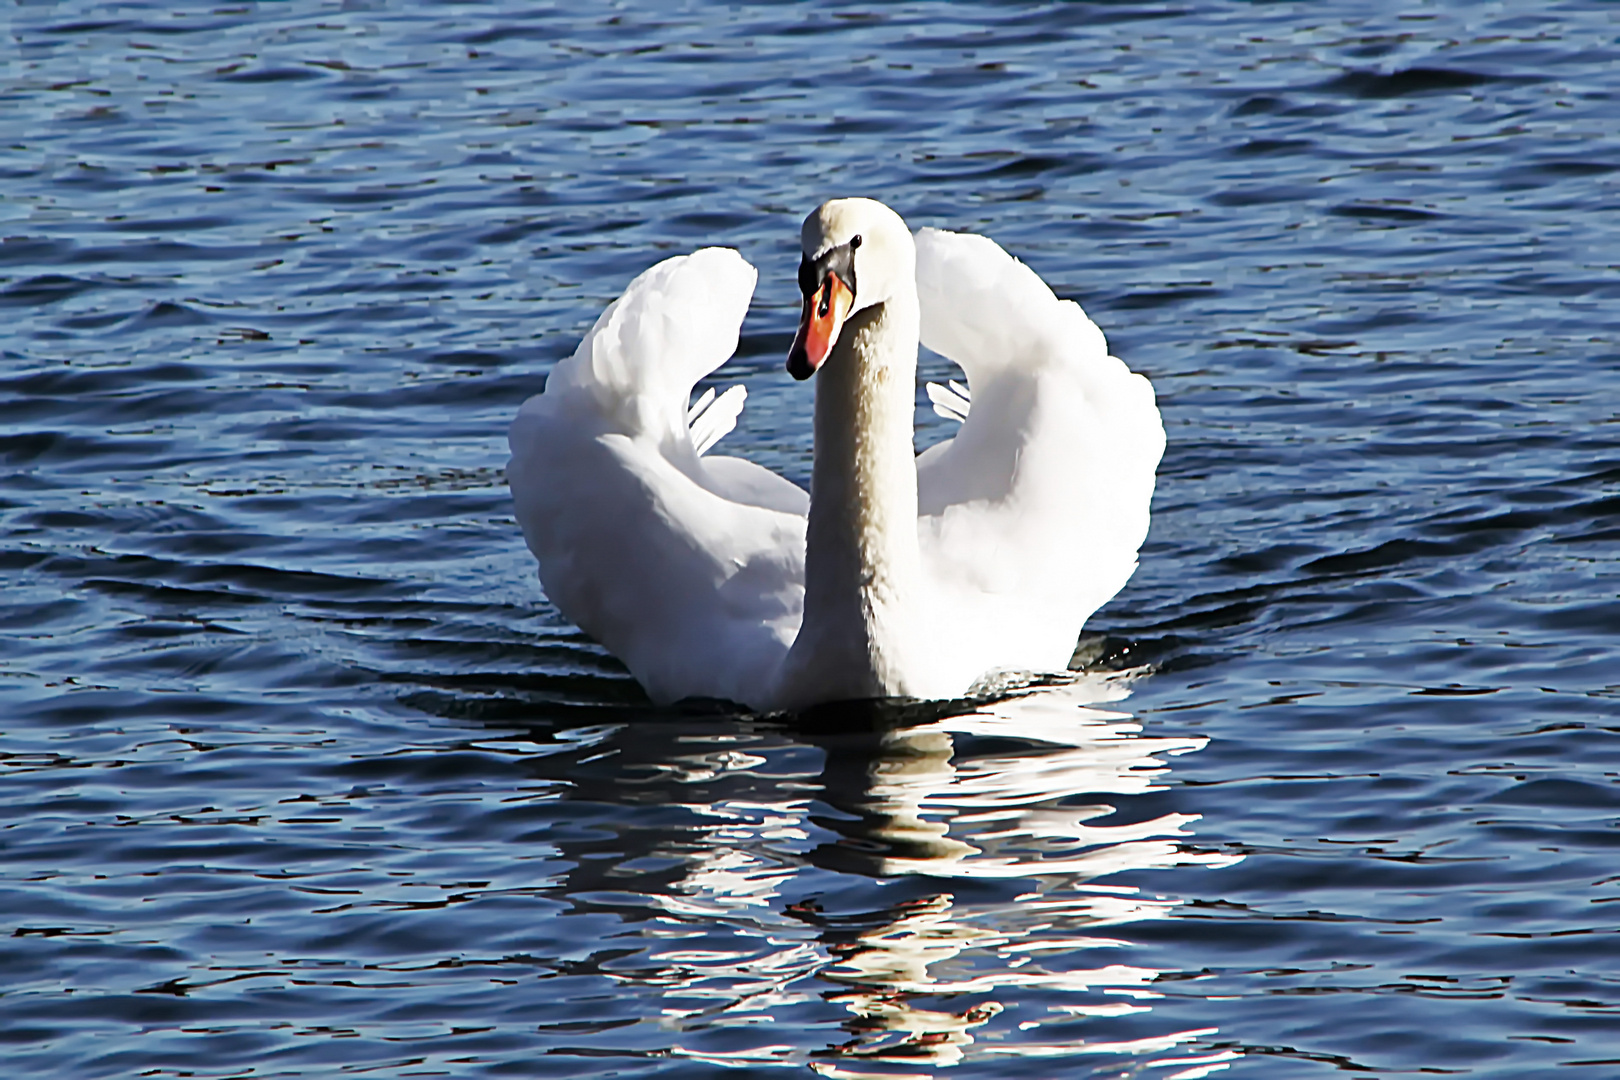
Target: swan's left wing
<point x="1032" y="515"/>
<point x="689" y="569"/>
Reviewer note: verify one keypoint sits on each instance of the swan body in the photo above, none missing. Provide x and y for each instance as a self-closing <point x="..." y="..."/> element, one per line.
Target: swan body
<point x="897" y="575"/>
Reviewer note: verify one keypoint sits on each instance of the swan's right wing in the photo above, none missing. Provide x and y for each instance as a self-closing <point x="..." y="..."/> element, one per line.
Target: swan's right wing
<point x="1032" y="515"/>
<point x="711" y="418"/>
<point x="689" y="569"/>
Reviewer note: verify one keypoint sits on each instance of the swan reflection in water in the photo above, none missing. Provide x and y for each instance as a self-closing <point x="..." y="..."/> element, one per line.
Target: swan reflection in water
<point x="1005" y="791"/>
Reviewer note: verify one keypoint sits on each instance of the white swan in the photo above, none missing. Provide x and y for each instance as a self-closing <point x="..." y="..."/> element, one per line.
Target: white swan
<point x="899" y="575"/>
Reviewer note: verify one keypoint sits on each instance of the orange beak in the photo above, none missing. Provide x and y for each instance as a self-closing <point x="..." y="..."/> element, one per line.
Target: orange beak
<point x="824" y="313"/>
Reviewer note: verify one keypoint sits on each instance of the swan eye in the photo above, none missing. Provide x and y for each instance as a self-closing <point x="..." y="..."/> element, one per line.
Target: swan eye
<point x="854" y="241"/>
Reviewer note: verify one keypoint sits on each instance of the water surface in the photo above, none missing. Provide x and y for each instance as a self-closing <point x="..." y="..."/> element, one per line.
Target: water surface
<point x="302" y="775"/>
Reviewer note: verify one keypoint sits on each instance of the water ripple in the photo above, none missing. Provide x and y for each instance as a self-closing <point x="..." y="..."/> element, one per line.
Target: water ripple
<point x="303" y="775"/>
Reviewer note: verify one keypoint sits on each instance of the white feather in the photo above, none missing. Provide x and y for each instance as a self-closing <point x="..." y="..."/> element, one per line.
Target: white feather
<point x="712" y="419"/>
<point x="691" y="568"/>
<point x="951" y="402"/>
<point x="1032" y="515"/>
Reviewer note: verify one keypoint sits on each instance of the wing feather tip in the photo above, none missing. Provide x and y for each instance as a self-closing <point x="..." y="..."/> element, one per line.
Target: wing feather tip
<point x="712" y="418"/>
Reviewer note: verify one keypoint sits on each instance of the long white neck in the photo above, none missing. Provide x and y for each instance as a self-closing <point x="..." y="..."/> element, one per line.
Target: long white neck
<point x="863" y="569"/>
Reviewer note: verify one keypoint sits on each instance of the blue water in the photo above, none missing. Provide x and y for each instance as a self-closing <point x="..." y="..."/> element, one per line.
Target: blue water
<point x="303" y="777"/>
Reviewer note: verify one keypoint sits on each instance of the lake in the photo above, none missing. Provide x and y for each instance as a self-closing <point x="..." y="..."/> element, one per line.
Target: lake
<point x="302" y="776"/>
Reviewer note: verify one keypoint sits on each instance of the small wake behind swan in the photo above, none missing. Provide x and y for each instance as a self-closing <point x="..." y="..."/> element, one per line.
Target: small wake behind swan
<point x="898" y="575"/>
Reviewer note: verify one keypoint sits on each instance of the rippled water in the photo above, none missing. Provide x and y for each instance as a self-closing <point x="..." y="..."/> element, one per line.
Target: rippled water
<point x="302" y="775"/>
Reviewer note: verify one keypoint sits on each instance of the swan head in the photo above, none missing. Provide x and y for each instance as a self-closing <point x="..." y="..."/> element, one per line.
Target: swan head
<point x="857" y="254"/>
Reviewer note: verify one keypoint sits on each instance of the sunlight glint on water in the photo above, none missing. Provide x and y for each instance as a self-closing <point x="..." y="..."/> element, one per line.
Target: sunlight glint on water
<point x="301" y="775"/>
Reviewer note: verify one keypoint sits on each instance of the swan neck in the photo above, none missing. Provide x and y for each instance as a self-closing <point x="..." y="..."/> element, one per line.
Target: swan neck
<point x="862" y="561"/>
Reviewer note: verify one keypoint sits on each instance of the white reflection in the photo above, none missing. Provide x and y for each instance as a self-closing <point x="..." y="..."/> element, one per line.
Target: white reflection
<point x="999" y="816"/>
<point x="1014" y="789"/>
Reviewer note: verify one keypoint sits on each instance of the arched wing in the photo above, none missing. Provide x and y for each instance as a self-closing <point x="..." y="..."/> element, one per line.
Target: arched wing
<point x="688" y="568"/>
<point x="1032" y="515"/>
